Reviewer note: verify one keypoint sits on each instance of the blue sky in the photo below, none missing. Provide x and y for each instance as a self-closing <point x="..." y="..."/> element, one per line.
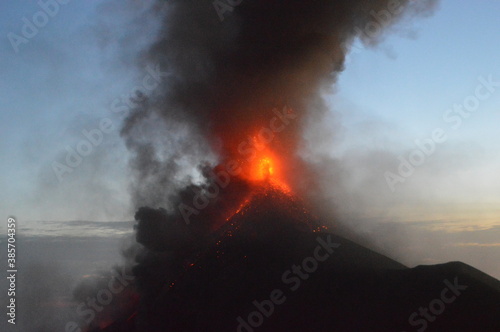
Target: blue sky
<point x="58" y="84"/>
<point x="441" y="61"/>
<point x="65" y="78"/>
<point x="405" y="85"/>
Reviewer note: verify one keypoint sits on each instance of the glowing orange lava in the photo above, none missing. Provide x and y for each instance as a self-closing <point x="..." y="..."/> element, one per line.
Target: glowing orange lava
<point x="262" y="170"/>
<point x="265" y="169"/>
<point x="261" y="166"/>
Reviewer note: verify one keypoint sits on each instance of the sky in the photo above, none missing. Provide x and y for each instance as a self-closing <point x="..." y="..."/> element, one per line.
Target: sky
<point x="64" y="79"/>
<point x="407" y="85"/>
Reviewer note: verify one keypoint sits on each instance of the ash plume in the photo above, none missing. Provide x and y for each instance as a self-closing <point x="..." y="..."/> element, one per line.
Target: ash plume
<point x="221" y="79"/>
<point x="224" y="74"/>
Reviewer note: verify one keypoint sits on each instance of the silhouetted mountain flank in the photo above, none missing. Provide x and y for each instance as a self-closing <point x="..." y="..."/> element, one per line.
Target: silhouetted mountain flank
<point x="272" y="269"/>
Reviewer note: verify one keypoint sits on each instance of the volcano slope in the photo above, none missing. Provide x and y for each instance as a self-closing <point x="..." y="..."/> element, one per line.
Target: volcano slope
<point x="270" y="268"/>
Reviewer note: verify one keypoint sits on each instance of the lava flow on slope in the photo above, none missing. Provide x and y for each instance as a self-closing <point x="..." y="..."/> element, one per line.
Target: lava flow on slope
<point x="243" y="92"/>
<point x="226" y="281"/>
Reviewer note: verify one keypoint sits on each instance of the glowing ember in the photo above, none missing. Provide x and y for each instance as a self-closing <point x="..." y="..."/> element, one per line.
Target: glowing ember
<point x="242" y="205"/>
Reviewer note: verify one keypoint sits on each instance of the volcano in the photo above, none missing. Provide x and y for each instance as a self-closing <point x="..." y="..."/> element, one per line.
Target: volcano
<point x="237" y="246"/>
<point x="274" y="267"/>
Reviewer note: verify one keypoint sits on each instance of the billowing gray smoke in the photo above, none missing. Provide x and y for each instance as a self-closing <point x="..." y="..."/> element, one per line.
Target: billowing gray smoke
<point x="226" y="69"/>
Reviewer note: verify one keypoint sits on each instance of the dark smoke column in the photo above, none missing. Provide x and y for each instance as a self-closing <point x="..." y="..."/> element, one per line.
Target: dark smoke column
<point x="221" y="81"/>
<point x="224" y="77"/>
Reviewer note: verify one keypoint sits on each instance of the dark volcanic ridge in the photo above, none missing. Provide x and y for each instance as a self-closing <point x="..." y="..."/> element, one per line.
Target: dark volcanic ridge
<point x="273" y="246"/>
